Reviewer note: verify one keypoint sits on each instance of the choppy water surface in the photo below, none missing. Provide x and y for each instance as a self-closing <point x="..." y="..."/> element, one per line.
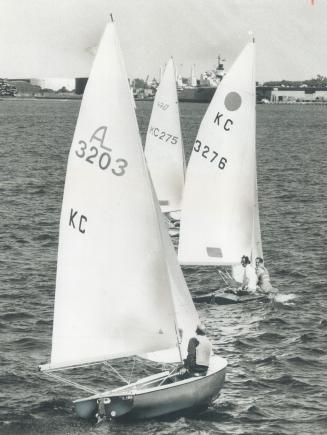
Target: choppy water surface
<point x="276" y="381"/>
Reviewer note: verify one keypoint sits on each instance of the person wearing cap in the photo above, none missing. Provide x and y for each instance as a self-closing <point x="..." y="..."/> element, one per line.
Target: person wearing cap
<point x="198" y="353"/>
<point x="250" y="277"/>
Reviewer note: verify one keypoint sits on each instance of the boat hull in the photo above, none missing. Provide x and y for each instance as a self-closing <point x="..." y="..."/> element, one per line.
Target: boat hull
<point x="137" y="402"/>
<point x="198" y="94"/>
<point x="222" y="298"/>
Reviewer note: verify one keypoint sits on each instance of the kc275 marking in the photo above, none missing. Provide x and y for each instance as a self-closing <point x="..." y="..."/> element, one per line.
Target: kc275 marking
<point x="163" y="135"/>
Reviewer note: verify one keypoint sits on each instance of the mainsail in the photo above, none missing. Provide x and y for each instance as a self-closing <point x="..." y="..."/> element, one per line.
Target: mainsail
<point x="113" y="291"/>
<point x="164" y="150"/>
<point x="220" y="220"/>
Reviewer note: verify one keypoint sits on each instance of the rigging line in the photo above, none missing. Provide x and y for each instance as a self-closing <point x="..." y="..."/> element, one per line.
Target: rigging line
<point x="230" y="277"/>
<point x="169" y="374"/>
<point x="67" y="381"/>
<point x="222" y="276"/>
<point x="179" y="338"/>
<point x="130" y="376"/>
<point x="106" y="363"/>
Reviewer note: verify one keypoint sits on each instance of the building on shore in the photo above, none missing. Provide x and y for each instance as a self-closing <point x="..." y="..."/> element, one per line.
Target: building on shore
<point x="284" y="94"/>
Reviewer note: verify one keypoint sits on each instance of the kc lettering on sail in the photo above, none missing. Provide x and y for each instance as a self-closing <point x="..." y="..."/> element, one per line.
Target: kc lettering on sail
<point x="96" y="151"/>
<point x="221" y="121"/>
<point x="77" y="221"/>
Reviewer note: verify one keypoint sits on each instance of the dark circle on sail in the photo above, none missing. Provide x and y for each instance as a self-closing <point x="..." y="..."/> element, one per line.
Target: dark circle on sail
<point x="233" y="101"/>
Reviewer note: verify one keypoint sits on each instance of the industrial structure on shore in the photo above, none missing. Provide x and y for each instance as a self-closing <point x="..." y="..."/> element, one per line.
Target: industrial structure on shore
<point x="190" y="89"/>
<point x="291" y="94"/>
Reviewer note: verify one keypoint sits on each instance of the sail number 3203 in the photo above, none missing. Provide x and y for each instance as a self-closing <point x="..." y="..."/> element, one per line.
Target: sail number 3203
<point x="97" y="152"/>
<point x="210" y="155"/>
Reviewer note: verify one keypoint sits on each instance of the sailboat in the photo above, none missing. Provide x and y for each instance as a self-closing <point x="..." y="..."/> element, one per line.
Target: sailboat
<point x="164" y="149"/>
<point x="220" y="213"/>
<point x="120" y="291"/>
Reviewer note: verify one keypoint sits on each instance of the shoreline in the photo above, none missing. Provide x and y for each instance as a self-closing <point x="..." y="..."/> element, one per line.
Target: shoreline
<point x="79" y="97"/>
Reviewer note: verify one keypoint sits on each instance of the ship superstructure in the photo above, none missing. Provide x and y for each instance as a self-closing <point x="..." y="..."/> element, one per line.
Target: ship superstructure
<point x="202" y="90"/>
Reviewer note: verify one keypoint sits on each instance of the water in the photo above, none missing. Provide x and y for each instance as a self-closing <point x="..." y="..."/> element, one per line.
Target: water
<point x="277" y="355"/>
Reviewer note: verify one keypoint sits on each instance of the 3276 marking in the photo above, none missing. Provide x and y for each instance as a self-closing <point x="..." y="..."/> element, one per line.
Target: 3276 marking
<point x="101" y="154"/>
<point x="212" y="155"/>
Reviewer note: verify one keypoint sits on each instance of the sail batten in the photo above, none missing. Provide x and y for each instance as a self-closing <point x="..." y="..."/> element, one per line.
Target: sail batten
<point x="219" y="200"/>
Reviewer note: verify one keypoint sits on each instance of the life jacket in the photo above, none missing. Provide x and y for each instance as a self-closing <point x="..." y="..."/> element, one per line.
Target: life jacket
<point x="203" y="351"/>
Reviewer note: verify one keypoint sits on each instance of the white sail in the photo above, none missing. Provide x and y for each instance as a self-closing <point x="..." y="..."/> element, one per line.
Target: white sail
<point x="219" y="195"/>
<point x="187" y="317"/>
<point x="113" y="293"/>
<point x="164" y="150"/>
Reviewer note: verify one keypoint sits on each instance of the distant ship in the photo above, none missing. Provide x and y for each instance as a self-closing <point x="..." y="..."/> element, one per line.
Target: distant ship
<point x="202" y="90"/>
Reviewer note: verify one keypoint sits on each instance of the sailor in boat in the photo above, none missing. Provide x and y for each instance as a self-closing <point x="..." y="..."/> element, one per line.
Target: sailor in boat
<point x="198" y="354"/>
<point x="250" y="277"/>
<point x="262" y="276"/>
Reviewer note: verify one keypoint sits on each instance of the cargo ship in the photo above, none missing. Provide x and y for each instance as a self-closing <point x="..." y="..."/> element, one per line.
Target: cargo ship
<point x="203" y="89"/>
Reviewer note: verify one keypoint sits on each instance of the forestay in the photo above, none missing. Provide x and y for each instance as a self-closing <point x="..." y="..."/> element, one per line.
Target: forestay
<point x="256" y="241"/>
<point x="219" y="200"/>
<point x="164" y="150"/>
<point x="113" y="294"/>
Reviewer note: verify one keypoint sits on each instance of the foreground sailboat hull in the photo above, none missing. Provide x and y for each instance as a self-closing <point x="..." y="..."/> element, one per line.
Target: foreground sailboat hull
<point x="138" y="401"/>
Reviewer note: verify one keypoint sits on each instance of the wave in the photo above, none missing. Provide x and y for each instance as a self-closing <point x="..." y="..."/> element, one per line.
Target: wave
<point x="271" y="336"/>
<point x="242" y="343"/>
<point x="283" y="299"/>
<point x="255" y="410"/>
<point x="287" y="380"/>
<point x="268" y="360"/>
<point x="273" y="321"/>
<point x="29" y="343"/>
<point x="298" y="360"/>
<point x="308" y="336"/>
<point x="16" y="316"/>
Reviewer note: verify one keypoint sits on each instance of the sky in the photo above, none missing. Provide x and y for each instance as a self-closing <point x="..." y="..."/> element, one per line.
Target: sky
<point x="58" y="38"/>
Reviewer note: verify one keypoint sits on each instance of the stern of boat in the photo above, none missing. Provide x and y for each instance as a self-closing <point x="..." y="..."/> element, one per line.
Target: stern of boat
<point x="111" y="407"/>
